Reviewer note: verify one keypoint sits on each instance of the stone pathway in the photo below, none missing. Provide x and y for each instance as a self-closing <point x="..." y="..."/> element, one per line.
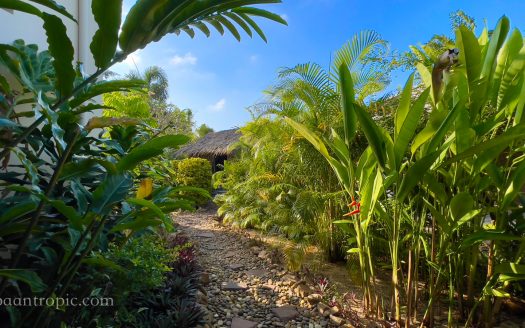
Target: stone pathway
<point x="243" y="289"/>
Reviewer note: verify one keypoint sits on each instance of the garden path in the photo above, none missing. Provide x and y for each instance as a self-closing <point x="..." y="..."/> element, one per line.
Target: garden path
<point x="243" y="286"/>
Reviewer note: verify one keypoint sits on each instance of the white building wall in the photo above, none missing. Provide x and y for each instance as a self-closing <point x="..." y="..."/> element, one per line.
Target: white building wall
<point x="18" y="25"/>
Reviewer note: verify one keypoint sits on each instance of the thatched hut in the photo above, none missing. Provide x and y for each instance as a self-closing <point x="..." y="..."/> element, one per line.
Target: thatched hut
<point x="214" y="146"/>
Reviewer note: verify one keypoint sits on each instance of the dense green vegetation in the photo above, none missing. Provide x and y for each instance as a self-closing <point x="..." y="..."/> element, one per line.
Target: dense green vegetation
<point x="85" y="207"/>
<point x="431" y="179"/>
<point x="424" y="186"/>
<point x="195" y="172"/>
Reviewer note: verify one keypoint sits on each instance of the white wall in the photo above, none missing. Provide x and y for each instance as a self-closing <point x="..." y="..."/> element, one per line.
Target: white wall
<point x="18" y="25"/>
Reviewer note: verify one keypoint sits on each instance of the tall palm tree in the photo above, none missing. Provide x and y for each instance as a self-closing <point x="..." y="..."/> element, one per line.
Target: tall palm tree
<point x="156" y="80"/>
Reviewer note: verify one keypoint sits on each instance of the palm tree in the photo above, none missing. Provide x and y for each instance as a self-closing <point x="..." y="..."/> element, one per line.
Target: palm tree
<point x="156" y="80"/>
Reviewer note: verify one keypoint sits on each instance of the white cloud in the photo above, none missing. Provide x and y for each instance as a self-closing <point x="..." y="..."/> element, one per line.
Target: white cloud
<point x="187" y="59"/>
<point x="133" y="60"/>
<point x="218" y="106"/>
<point x="254" y="59"/>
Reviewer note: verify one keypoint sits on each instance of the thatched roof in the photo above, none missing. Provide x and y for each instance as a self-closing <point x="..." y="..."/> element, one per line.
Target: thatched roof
<point x="212" y="144"/>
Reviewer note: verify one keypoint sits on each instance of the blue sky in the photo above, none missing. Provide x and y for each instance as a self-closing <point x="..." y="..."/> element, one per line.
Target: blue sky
<point x="218" y="77"/>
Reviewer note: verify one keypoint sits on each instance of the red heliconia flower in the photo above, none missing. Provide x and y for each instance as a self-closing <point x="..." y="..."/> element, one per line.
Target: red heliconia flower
<point x="354" y="212"/>
<point x="353" y="205"/>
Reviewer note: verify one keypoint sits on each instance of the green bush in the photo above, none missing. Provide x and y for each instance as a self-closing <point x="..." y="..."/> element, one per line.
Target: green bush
<point x="146" y="261"/>
<point x="195" y="172"/>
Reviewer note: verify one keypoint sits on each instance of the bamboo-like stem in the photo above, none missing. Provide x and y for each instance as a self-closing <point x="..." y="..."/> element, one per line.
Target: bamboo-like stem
<point x="409" y="290"/>
<point x="395" y="265"/>
<point x="450" y="293"/>
<point x="487" y="303"/>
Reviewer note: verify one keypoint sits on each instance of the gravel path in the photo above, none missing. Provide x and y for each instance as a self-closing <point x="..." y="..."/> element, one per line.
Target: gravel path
<point x="243" y="288"/>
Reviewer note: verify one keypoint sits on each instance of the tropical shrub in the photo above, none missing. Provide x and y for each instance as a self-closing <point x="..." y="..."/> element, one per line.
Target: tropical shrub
<point x="69" y="187"/>
<point x="146" y="261"/>
<point x="281" y="183"/>
<point x="447" y="198"/>
<point x="195" y="172"/>
<point x="154" y="281"/>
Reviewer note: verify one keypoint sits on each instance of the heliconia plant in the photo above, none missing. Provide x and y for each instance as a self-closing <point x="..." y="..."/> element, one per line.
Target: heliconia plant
<point x="68" y="189"/>
<point x="434" y="190"/>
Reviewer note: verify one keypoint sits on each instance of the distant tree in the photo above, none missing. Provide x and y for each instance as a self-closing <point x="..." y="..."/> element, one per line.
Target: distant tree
<point x="157" y="81"/>
<point x="151" y="105"/>
<point x="128" y="104"/>
<point x="203" y="130"/>
<point x="460" y="18"/>
<point x="173" y="120"/>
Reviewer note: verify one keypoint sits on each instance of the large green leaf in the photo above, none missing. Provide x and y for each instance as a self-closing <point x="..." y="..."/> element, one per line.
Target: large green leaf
<point x="69" y="212"/>
<point x="340" y="149"/>
<point x="370" y="194"/>
<point x="512" y="134"/>
<point x="237" y="19"/>
<point x="61" y="48"/>
<point x="106" y="87"/>
<point x="466" y="218"/>
<point x="520" y="108"/>
<point x="340" y="170"/>
<point x="255" y="27"/>
<point x="8" y="124"/>
<point x="148" y="204"/>
<point x="151" y="148"/>
<point x="469" y="54"/>
<point x="56" y="7"/>
<point x="261" y="13"/>
<point x="155" y="209"/>
<point x="373" y="134"/>
<point x="510" y="268"/>
<point x="517" y="181"/>
<point x="497" y="38"/>
<point x="114" y="189"/>
<point x="480" y="236"/>
<point x="79" y="168"/>
<point x="347" y="103"/>
<point x="20" y="6"/>
<point x="509" y="88"/>
<point x="404" y="105"/>
<point x="230" y="27"/>
<point x="506" y="56"/>
<point x="25" y="276"/>
<point x="415" y="174"/>
<point x="465" y="134"/>
<point x="408" y="126"/>
<point x="460" y="205"/>
<point x="446" y="125"/>
<point x="104" y="45"/>
<point x="18" y="210"/>
<point x="150" y="20"/>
